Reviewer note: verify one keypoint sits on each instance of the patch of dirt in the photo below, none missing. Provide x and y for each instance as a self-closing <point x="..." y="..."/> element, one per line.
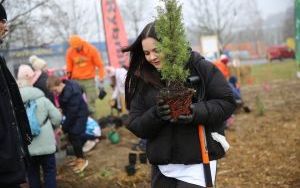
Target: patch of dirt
<point x="263" y="153"/>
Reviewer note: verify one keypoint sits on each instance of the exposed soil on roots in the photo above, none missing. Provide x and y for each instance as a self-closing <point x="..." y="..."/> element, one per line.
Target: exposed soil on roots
<point x="179" y="100"/>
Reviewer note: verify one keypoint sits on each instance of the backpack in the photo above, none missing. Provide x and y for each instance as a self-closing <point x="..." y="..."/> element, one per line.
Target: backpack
<point x="92" y="127"/>
<point x="31" y="108"/>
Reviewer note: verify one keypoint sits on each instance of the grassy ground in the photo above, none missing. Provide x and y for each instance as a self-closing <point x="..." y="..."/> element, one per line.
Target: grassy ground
<point x="273" y="71"/>
<point x="259" y="73"/>
<point x="263" y="148"/>
<point x="102" y="106"/>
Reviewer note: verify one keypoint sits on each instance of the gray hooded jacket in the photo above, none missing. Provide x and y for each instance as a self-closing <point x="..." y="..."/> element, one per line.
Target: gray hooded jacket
<point x="44" y="143"/>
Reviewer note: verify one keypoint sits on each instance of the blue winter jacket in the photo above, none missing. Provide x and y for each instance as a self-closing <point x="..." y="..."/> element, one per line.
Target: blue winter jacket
<point x="74" y="108"/>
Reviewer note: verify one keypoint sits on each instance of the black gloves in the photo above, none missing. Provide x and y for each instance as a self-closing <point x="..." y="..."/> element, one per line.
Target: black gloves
<point x="185" y="119"/>
<point x="163" y="110"/>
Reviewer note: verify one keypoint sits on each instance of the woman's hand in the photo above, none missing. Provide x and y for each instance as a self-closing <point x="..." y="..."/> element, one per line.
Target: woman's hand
<point x="112" y="102"/>
<point x="163" y="110"/>
<point x="185" y="119"/>
<point x="59" y="131"/>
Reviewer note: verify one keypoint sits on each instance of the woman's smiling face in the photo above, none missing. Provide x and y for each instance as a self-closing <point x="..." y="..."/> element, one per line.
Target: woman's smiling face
<point x="151" y="53"/>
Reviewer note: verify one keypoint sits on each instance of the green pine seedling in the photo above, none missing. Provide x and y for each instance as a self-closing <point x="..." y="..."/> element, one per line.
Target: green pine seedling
<point x="172" y="43"/>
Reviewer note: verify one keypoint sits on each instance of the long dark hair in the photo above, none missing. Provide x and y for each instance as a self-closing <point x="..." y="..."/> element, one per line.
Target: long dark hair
<point x="139" y="68"/>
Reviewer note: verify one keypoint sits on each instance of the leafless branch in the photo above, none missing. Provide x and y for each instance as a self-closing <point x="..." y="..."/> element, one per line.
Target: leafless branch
<point x="214" y="17"/>
<point x="134" y="12"/>
<point x="28" y="11"/>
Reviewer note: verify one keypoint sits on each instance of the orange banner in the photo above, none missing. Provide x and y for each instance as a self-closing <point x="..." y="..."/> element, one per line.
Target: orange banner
<point x="115" y="35"/>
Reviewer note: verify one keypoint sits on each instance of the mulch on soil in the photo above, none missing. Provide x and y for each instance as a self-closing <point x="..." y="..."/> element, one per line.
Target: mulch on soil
<point x="263" y="149"/>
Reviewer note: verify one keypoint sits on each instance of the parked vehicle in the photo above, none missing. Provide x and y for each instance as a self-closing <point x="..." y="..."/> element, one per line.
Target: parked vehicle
<point x="59" y="72"/>
<point x="279" y="52"/>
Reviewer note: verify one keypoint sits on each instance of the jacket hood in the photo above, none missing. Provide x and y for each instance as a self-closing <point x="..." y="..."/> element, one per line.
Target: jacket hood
<point x="76" y="41"/>
<point x="30" y="93"/>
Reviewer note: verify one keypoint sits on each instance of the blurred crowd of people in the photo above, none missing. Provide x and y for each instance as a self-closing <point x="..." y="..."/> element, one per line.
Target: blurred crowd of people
<point x="39" y="106"/>
<point x="234" y="83"/>
<point x="62" y="106"/>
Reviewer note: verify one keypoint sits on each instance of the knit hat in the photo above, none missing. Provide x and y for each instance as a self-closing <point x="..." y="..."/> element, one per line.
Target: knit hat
<point x="37" y="63"/>
<point x="224" y="59"/>
<point x="75" y="41"/>
<point x="2" y="13"/>
<point x="110" y="71"/>
<point x="26" y="76"/>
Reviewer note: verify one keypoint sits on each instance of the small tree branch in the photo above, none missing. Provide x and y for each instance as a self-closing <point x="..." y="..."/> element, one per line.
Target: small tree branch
<point x="28" y="11"/>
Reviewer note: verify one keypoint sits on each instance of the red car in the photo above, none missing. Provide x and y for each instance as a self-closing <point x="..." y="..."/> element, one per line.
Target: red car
<point x="59" y="72"/>
<point x="279" y="52"/>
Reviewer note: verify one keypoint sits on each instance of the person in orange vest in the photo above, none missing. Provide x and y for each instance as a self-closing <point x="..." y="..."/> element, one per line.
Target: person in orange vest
<point x="221" y="64"/>
<point x="82" y="60"/>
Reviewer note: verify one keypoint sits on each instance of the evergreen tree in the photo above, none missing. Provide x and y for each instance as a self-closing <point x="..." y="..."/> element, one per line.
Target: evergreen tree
<point x="172" y="43"/>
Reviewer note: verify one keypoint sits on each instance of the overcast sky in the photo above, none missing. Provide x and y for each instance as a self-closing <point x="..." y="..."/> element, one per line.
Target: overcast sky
<point x="266" y="7"/>
<point x="269" y="7"/>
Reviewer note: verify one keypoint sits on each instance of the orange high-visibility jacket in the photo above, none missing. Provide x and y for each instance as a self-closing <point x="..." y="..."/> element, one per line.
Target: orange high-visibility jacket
<point x="223" y="68"/>
<point x="82" y="65"/>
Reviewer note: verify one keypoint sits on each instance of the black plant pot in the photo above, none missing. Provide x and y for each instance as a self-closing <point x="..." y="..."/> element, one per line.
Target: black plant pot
<point x="132" y="158"/>
<point x="143" y="158"/>
<point x="130" y="170"/>
<point x="102" y="93"/>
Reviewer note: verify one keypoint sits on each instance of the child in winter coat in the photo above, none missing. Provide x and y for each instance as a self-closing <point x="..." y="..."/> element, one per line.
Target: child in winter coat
<point x="117" y="77"/>
<point x="76" y="114"/>
<point x="43" y="146"/>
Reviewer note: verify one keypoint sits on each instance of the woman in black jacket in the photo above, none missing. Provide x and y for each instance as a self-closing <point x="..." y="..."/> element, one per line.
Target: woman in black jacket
<point x="173" y="148"/>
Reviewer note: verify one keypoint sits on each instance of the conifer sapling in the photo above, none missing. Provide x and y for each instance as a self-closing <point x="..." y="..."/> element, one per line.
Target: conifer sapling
<point x="174" y="50"/>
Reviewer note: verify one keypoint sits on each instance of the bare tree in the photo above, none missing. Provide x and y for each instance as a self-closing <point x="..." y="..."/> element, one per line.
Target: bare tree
<point x="66" y="18"/>
<point x="134" y="12"/>
<point x="251" y="27"/>
<point x="21" y="22"/>
<point x="42" y="22"/>
<point x="289" y="24"/>
<point x="214" y="17"/>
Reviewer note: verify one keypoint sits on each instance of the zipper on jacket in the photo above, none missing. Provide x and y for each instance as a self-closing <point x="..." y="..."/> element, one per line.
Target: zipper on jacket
<point x="173" y="145"/>
<point x="15" y="126"/>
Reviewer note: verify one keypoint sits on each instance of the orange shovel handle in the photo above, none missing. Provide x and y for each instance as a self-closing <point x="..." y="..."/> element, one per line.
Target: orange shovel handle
<point x="205" y="157"/>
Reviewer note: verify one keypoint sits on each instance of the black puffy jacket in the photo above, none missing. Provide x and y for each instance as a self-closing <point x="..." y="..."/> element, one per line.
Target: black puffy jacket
<point x="179" y="144"/>
<point x="15" y="132"/>
<point x="74" y="108"/>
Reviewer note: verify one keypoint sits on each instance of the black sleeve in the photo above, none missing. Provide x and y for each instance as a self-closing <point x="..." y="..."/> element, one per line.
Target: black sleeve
<point x="143" y="122"/>
<point x="19" y="109"/>
<point x="71" y="109"/>
<point x="219" y="103"/>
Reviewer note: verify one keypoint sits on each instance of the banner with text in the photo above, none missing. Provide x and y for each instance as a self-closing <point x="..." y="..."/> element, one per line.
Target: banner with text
<point x="115" y="35"/>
